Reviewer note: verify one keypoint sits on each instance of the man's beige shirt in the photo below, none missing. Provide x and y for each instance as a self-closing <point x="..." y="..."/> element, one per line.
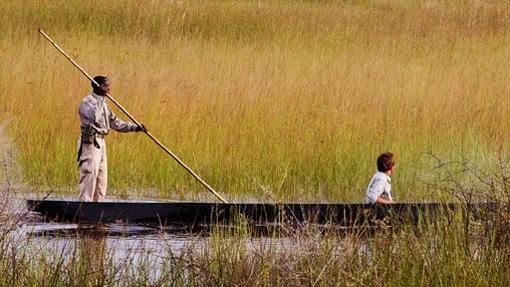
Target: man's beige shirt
<point x="95" y="112"/>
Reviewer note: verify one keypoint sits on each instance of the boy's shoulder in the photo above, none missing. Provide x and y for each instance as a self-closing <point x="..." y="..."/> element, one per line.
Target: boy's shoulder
<point x="382" y="175"/>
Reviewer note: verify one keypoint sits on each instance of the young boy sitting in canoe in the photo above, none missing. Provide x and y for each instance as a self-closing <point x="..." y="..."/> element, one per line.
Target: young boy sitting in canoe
<point x="379" y="188"/>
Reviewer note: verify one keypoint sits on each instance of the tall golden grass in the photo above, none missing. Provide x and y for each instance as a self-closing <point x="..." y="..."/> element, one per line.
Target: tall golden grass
<point x="294" y="98"/>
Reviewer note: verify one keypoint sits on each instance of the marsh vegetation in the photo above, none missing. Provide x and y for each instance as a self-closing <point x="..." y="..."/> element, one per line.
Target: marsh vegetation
<point x="296" y="98"/>
<point x="284" y="100"/>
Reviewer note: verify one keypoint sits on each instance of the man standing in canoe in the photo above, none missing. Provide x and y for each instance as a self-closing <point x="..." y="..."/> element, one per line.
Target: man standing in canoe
<point x="96" y="120"/>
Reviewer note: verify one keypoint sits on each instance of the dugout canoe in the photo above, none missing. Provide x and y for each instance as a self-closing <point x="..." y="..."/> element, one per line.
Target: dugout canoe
<point x="196" y="213"/>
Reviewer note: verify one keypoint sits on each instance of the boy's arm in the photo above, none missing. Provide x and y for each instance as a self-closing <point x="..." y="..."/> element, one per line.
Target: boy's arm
<point x="382" y="200"/>
<point x="375" y="191"/>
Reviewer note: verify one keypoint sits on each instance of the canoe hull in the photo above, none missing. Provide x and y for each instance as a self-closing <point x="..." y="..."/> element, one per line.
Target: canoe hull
<point x="193" y="213"/>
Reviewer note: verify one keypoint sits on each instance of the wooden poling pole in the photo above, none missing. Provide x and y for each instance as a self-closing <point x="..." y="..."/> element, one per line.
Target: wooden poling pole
<point x="155" y="140"/>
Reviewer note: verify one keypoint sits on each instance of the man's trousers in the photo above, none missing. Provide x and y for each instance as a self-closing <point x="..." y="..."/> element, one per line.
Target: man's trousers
<point x="93" y="171"/>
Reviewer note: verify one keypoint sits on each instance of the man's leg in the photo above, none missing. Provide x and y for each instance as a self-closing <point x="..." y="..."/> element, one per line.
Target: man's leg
<point x="89" y="168"/>
<point x="102" y="176"/>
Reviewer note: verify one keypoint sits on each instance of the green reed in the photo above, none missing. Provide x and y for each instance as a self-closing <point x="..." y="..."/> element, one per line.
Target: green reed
<point x="294" y="99"/>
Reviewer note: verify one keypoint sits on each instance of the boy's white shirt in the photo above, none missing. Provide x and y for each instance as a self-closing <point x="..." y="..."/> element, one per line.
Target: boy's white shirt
<point x="380" y="185"/>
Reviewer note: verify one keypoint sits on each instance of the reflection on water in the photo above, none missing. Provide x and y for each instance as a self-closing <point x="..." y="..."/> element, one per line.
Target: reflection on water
<point x="125" y="243"/>
<point x="119" y="250"/>
<point x="118" y="238"/>
<point x="93" y="254"/>
<point x="111" y="246"/>
<point x="98" y="230"/>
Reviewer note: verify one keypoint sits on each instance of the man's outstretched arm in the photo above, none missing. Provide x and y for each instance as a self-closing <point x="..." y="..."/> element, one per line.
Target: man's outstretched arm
<point x="122" y="126"/>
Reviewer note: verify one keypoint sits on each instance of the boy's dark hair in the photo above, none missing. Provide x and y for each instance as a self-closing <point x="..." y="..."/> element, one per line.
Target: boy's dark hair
<point x="99" y="80"/>
<point x="385" y="162"/>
